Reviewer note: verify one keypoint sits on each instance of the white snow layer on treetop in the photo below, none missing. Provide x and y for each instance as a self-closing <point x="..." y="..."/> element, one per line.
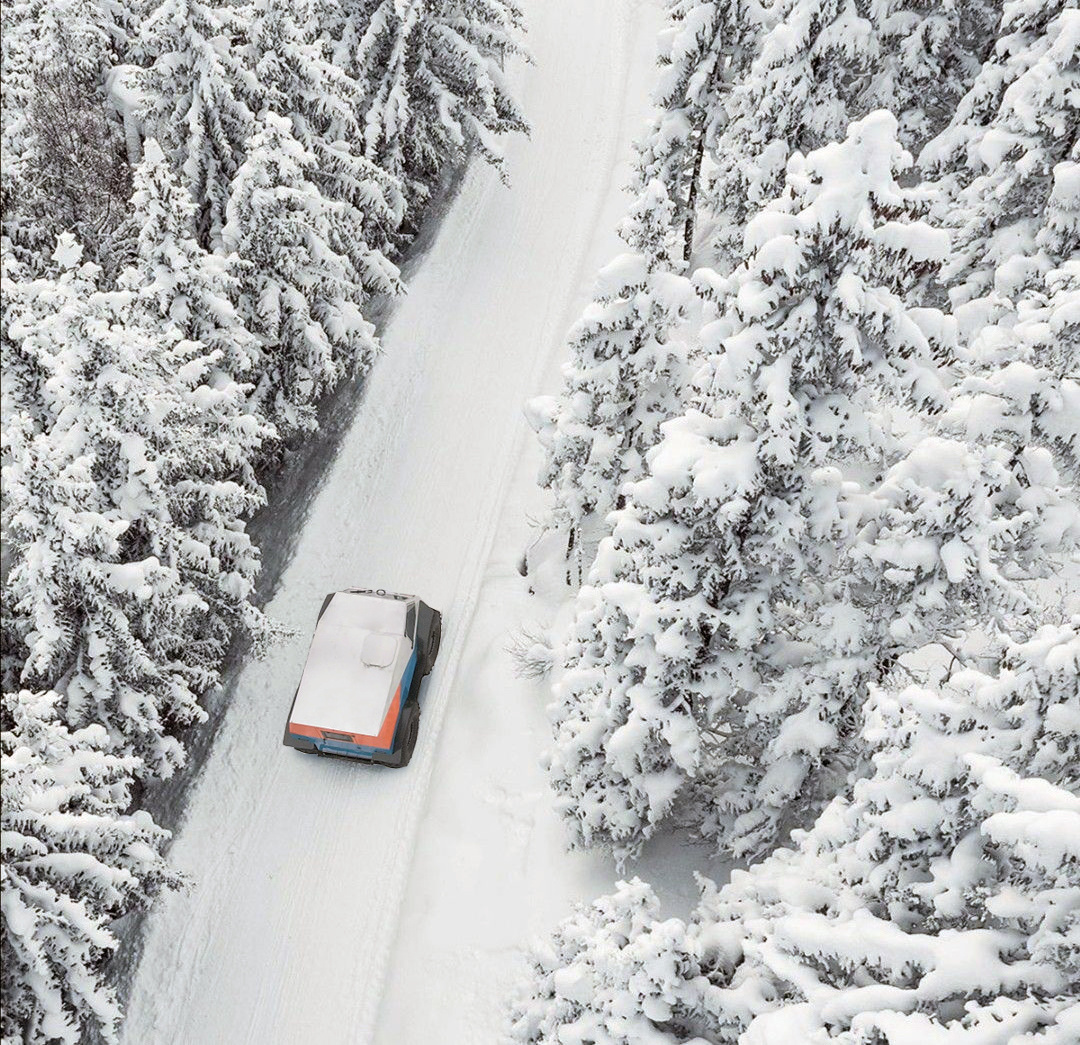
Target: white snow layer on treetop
<point x="936" y="899"/>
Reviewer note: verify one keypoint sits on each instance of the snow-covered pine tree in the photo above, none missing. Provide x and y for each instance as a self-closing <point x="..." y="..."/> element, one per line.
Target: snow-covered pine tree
<point x="613" y="972"/>
<point x="16" y="72"/>
<point x="704" y="48"/>
<point x="941" y="548"/>
<point x="178" y="283"/>
<point x="927" y="55"/>
<point x="626" y="369"/>
<point x="184" y="292"/>
<point x="723" y="571"/>
<point x="74" y="859"/>
<point x="1011" y="165"/>
<point x="824" y="63"/>
<point x="70" y="600"/>
<point x="1022" y="371"/>
<point x="625" y="373"/>
<point x="796" y="94"/>
<point x="1012" y="150"/>
<point x="943" y="893"/>
<point x="23" y="372"/>
<point x="289" y="53"/>
<point x="430" y="78"/>
<point x="198" y="95"/>
<point x="301" y="298"/>
<point x="937" y="899"/>
<point x="64" y="164"/>
<point x="130" y="565"/>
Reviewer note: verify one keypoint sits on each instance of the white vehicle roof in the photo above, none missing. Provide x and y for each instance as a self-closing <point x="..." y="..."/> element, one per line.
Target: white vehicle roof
<point x="357" y="657"/>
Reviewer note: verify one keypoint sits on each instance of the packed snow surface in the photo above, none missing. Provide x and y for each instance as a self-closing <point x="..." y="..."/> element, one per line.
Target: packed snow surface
<point x="344" y="903"/>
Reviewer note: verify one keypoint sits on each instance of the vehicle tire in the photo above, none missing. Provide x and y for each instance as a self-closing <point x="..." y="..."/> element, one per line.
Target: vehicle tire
<point x="410" y="725"/>
<point x="434" y="639"/>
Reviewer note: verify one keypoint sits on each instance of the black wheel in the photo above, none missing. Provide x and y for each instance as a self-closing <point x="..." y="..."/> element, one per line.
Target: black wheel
<point x="410" y="725"/>
<point x="434" y="638"/>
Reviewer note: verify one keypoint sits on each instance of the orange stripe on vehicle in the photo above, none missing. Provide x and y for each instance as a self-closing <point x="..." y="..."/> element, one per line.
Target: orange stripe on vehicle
<point x="383" y="740"/>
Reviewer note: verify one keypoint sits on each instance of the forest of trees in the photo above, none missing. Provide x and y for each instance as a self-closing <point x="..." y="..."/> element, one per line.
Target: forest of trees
<point x="816" y="459"/>
<point x="201" y="204"/>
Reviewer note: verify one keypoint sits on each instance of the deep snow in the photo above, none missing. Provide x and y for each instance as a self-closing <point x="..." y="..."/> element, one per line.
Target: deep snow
<point x="317" y="882"/>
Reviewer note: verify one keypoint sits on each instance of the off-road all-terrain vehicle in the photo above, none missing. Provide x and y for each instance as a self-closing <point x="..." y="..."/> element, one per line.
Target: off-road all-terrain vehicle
<point x="359" y="695"/>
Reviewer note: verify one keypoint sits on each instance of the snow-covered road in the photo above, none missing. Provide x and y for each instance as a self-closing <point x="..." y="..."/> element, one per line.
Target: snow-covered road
<point x="301" y="864"/>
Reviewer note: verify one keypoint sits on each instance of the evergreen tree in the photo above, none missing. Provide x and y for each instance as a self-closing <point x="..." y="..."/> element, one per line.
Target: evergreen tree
<point x="624" y="375"/>
<point x="179" y="284"/>
<point x="757" y="582"/>
<point x="299" y="81"/>
<point x="1022" y="372"/>
<point x="1011" y="173"/>
<point x="64" y="163"/>
<point x="927" y="54"/>
<point x="615" y="973"/>
<point x="199" y="96"/>
<point x="796" y="95"/>
<point x="700" y="593"/>
<point x="184" y="292"/>
<point x="430" y="80"/>
<point x="824" y="63"/>
<point x="24" y="376"/>
<point x="704" y="49"/>
<point x="130" y="565"/>
<point x="74" y="859"/>
<point x="300" y="297"/>
<point x="942" y="894"/>
<point x="1012" y="149"/>
<point x="937" y="899"/>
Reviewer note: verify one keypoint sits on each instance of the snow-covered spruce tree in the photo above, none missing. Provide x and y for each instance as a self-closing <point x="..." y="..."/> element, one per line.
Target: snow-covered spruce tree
<point x="612" y="973"/>
<point x="178" y="283"/>
<point x="74" y="859"/>
<point x="704" y="48"/>
<point x="1024" y="371"/>
<point x="290" y="56"/>
<point x="626" y="369"/>
<point x="941" y="547"/>
<point x="719" y="606"/>
<point x="187" y="292"/>
<point x="301" y="298"/>
<point x="23" y="372"/>
<point x="64" y="164"/>
<point x="1020" y="380"/>
<point x="198" y="95"/>
<point x="1012" y="163"/>
<point x="130" y="565"/>
<point x="184" y="292"/>
<point x="824" y="63"/>
<point x="430" y="79"/>
<point x="1012" y="152"/>
<point x="937" y="899"/>
<point x="926" y="56"/>
<point x="796" y="94"/>
<point x="625" y="372"/>
<point x="69" y="601"/>
<point x="943" y="893"/>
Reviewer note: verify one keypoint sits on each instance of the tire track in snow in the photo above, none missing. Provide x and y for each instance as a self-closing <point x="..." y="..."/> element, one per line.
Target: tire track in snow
<point x="433" y="709"/>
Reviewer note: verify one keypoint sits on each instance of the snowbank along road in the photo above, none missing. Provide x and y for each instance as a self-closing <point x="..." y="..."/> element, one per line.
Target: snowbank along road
<point x="301" y="864"/>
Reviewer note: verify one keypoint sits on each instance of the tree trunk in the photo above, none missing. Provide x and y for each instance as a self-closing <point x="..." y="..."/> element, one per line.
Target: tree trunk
<point x="691" y="196"/>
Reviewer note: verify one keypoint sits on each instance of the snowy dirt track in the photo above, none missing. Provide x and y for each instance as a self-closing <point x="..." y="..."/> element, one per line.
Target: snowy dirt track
<point x="304" y="886"/>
